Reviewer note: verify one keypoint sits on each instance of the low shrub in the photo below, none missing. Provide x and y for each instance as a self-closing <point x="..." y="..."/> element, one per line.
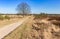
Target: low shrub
<point x="4" y="17"/>
<point x="7" y="17"/>
<point x="56" y="23"/>
<point x="1" y="17"/>
<point x="55" y="18"/>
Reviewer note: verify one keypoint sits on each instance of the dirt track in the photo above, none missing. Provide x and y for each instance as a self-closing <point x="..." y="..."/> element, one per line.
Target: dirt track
<point x="8" y="28"/>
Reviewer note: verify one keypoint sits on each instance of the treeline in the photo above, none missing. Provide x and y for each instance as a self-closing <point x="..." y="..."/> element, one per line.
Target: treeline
<point x="41" y="15"/>
<point x="44" y="15"/>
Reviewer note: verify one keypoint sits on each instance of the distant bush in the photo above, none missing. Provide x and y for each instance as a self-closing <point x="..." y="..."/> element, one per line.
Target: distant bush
<point x="4" y="17"/>
<point x="40" y="16"/>
<point x="7" y="17"/>
<point x="55" y="18"/>
<point x="1" y="17"/>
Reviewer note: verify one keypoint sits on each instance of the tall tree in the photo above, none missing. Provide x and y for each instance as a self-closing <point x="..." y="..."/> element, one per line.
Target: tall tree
<point x="23" y="8"/>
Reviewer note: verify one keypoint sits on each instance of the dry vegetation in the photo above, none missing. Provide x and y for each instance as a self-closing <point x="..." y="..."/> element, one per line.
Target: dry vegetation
<point x="6" y="20"/>
<point x="41" y="27"/>
<point x="22" y="32"/>
<point x="49" y="29"/>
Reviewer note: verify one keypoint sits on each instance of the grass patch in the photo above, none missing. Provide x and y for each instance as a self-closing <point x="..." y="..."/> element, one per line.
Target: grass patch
<point x="1" y="17"/>
<point x="7" y="17"/>
<point x="4" y="17"/>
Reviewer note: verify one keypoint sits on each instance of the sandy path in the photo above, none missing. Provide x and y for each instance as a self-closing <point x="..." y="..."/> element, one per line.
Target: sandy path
<point x="7" y="29"/>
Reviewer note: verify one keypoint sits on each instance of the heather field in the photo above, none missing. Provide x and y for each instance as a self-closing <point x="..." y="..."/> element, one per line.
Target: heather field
<point x="37" y="27"/>
<point x="29" y="19"/>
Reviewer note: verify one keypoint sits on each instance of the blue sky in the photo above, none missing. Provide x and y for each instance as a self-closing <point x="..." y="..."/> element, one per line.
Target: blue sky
<point x="37" y="6"/>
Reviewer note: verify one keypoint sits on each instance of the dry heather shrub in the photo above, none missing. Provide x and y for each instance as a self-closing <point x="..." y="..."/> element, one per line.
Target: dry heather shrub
<point x="56" y="23"/>
<point x="54" y="18"/>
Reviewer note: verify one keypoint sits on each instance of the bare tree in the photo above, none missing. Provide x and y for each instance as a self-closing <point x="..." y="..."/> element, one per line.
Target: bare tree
<point x="23" y="8"/>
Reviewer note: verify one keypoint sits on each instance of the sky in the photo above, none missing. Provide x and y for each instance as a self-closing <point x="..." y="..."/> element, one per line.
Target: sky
<point x="37" y="6"/>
